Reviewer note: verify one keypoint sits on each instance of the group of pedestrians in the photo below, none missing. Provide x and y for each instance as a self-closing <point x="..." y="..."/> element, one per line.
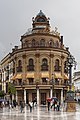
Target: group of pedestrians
<point x="30" y="105"/>
<point x="55" y="105"/>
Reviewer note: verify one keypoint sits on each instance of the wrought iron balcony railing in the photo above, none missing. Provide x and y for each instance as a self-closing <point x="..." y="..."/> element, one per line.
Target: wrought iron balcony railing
<point x="19" y="69"/>
<point x="30" y="68"/>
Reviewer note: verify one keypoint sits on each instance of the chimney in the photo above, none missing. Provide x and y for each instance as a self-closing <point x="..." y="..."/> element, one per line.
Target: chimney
<point x="61" y="40"/>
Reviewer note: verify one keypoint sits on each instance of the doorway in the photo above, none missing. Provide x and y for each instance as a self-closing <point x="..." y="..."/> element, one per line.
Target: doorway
<point x="43" y="98"/>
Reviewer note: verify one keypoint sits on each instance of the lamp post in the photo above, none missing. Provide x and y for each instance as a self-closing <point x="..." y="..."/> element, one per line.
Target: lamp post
<point x="71" y="62"/>
<point x="71" y="104"/>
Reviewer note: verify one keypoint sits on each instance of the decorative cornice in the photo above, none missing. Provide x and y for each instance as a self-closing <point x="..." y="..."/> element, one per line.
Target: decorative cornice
<point x="24" y="56"/>
<point x="51" y="55"/>
<point x="37" y="55"/>
<point x="62" y="57"/>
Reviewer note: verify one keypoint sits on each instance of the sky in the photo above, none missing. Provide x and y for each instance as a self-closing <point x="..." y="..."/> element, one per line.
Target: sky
<point x="16" y="18"/>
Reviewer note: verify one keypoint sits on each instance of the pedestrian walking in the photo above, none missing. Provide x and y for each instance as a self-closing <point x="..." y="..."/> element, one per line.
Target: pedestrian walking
<point x="34" y="102"/>
<point x="58" y="106"/>
<point x="52" y="103"/>
<point x="14" y="103"/>
<point x="30" y="105"/>
<point x="48" y="105"/>
<point x="21" y="106"/>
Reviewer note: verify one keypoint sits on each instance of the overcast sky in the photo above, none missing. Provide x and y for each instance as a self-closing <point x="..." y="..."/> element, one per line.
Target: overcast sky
<point x="16" y="18"/>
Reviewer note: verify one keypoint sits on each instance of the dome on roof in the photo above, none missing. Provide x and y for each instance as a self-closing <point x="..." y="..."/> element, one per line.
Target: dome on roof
<point x="41" y="14"/>
<point x="40" y="21"/>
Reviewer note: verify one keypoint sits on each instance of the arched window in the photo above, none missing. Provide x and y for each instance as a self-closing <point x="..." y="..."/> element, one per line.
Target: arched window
<point x="51" y="43"/>
<point x="65" y="67"/>
<point x="42" y="42"/>
<point x="40" y="19"/>
<point x="44" y="66"/>
<point x="57" y="44"/>
<point x="57" y="67"/>
<point x="19" y="63"/>
<point x="19" y="68"/>
<point x="31" y="62"/>
<point x="44" y="61"/>
<point x="30" y="66"/>
<point x="33" y="43"/>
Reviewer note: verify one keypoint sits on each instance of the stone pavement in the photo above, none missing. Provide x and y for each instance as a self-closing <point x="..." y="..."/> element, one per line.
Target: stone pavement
<point x="38" y="113"/>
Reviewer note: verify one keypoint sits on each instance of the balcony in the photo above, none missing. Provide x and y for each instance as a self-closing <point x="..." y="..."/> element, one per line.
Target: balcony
<point x="44" y="67"/>
<point x="57" y="68"/>
<point x="40" y="84"/>
<point x="19" y="69"/>
<point x="30" y="68"/>
<point x="65" y="70"/>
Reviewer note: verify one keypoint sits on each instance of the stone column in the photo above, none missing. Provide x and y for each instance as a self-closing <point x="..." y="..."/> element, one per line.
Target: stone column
<point x="62" y="69"/>
<point x="24" y="66"/>
<point x="9" y="71"/>
<point x="16" y="96"/>
<point x="51" y="64"/>
<point x="51" y="92"/>
<point x="37" y="65"/>
<point x="38" y="96"/>
<point x="12" y="98"/>
<point x="4" y="81"/>
<point x="25" y="96"/>
<point x="62" y="96"/>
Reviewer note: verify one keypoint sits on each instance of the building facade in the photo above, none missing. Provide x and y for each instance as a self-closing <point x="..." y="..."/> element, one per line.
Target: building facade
<point x="76" y="81"/>
<point x="37" y="68"/>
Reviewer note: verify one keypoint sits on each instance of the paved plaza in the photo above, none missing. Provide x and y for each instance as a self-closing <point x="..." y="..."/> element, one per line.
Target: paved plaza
<point x="40" y="113"/>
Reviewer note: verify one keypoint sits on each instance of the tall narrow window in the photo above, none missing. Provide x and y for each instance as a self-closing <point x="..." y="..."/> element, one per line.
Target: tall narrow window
<point x="42" y="42"/>
<point x="65" y="67"/>
<point x="51" y="43"/>
<point x="19" y="63"/>
<point x="33" y="43"/>
<point x="44" y="66"/>
<point x="30" y="66"/>
<point x="57" y="67"/>
<point x="19" y="68"/>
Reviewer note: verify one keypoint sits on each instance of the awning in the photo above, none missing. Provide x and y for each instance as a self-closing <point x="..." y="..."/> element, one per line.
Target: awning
<point x="45" y="75"/>
<point x="13" y="77"/>
<point x="18" y="76"/>
<point x="30" y="75"/>
<point x="66" y="77"/>
<point x="58" y="75"/>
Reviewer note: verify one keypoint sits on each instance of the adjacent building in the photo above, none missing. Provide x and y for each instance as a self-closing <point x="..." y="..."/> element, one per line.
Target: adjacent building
<point x="76" y="81"/>
<point x="38" y="67"/>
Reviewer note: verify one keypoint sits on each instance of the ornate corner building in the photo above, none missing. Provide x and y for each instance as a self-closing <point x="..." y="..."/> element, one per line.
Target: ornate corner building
<point x="37" y="68"/>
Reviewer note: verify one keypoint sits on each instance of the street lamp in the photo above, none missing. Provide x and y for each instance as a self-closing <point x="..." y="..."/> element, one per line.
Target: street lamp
<point x="71" y="62"/>
<point x="71" y="104"/>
